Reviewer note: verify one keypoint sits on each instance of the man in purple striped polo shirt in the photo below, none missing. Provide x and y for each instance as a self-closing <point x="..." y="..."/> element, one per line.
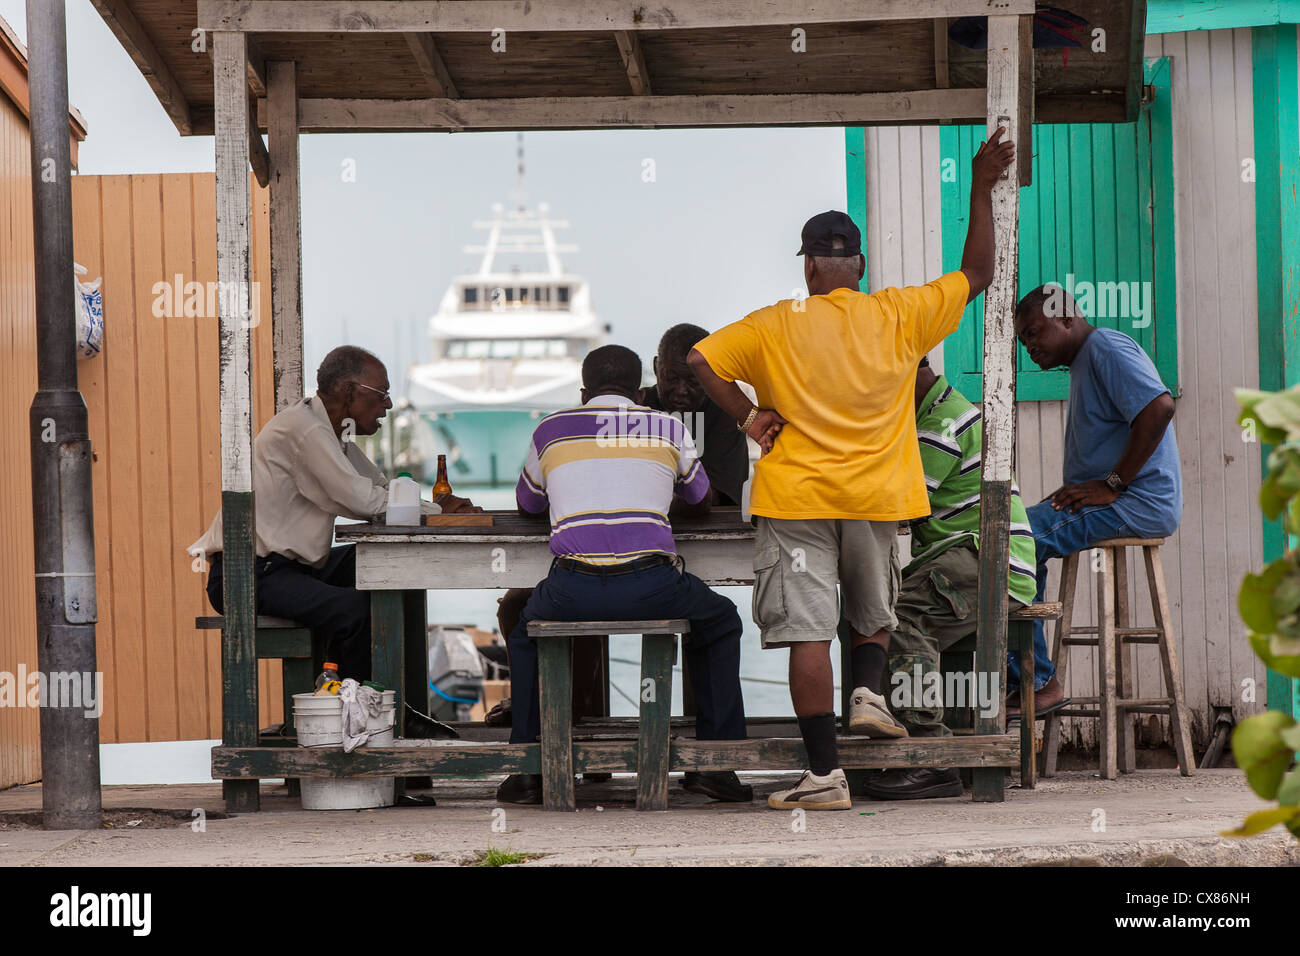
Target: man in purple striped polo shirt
<point x="607" y="472"/>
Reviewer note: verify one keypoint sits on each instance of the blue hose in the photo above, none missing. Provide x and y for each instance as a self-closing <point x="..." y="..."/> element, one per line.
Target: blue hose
<point x="455" y="700"/>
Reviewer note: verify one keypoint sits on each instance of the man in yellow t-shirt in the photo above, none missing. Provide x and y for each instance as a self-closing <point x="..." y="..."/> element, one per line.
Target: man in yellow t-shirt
<point x="835" y="377"/>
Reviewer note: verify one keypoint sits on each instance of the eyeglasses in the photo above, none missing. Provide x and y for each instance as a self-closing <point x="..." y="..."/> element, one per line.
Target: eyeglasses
<point x="386" y="396"/>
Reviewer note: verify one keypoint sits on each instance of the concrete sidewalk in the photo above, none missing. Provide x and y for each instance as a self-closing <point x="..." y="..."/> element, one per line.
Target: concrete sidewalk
<point x="1152" y="817"/>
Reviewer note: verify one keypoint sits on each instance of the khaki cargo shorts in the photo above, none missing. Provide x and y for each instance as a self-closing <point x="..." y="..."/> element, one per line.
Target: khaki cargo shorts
<point x="798" y="565"/>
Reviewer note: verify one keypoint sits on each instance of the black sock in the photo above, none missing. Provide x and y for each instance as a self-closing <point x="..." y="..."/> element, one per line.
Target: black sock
<point x="869" y="663"/>
<point x="819" y="740"/>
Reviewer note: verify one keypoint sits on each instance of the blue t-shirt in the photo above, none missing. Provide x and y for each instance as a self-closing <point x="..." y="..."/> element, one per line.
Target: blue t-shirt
<point x="1111" y="381"/>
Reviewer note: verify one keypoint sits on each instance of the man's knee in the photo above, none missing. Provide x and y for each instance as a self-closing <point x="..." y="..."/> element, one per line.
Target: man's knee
<point x="809" y="653"/>
<point x="355" y="611"/>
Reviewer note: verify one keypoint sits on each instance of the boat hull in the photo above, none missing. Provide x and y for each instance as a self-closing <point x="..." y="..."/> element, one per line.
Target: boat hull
<point x="485" y="448"/>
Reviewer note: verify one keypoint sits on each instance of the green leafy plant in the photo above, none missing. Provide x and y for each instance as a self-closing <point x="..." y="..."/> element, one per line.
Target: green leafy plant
<point x="496" y="857"/>
<point x="1265" y="745"/>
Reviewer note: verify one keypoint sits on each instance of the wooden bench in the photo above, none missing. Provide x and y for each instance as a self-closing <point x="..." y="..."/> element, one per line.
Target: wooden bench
<point x="1020" y="637"/>
<point x="287" y="641"/>
<point x="555" y="685"/>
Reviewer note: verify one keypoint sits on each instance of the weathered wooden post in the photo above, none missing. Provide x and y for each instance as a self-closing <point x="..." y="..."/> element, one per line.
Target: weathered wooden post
<point x="62" y="503"/>
<point x="1010" y="104"/>
<point x="238" y="653"/>
<point x="286" y="232"/>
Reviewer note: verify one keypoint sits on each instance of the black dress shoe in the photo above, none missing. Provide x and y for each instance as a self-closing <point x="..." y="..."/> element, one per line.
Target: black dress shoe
<point x="423" y="727"/>
<point x="718" y="784"/>
<point x="913" y="783"/>
<point x="522" y="788"/>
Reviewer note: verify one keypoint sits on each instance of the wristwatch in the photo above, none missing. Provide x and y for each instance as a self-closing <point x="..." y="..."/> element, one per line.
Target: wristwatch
<point x="1114" y="482"/>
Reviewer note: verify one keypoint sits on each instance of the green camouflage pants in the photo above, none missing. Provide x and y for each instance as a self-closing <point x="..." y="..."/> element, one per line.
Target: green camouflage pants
<point x="936" y="608"/>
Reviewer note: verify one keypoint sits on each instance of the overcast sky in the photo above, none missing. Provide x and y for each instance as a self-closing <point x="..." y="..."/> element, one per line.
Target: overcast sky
<point x="711" y="238"/>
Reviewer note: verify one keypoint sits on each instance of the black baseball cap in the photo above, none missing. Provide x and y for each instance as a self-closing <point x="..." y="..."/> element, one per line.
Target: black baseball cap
<point x="821" y="229"/>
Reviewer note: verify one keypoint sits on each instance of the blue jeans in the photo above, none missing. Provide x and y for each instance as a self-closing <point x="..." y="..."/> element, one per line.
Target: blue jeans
<point x="712" y="647"/>
<point x="1057" y="534"/>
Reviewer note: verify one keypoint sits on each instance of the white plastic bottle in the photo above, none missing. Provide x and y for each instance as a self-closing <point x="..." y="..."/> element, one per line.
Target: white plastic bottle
<point x="403" y="501"/>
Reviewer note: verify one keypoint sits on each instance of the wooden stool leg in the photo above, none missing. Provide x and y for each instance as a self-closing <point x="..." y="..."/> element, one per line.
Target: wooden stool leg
<point x="1060" y="658"/>
<point x="688" y="692"/>
<point x="1169" y="662"/>
<point x="988" y="784"/>
<point x="297" y="677"/>
<point x="1123" y="665"/>
<point x="1106" y="666"/>
<point x="555" y="684"/>
<point x="1022" y="638"/>
<point x="656" y="707"/>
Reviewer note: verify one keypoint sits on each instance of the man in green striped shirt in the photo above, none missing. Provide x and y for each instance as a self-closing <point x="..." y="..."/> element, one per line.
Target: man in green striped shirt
<point x="937" y="604"/>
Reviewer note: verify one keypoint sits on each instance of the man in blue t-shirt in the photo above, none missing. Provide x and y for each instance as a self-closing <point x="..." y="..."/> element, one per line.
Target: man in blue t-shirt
<point x="1122" y="477"/>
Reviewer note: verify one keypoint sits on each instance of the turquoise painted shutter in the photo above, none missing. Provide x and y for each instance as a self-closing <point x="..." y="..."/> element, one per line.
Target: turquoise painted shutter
<point x="1098" y="219"/>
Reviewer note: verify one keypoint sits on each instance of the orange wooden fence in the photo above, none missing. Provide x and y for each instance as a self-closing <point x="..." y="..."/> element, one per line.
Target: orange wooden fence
<point x="152" y="400"/>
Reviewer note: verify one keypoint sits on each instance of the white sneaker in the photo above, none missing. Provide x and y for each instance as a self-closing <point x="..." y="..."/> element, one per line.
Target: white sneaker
<point x="830" y="792"/>
<point x="869" y="716"/>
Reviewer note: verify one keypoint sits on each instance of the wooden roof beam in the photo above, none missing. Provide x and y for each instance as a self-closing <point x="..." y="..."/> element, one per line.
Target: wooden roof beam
<point x="454" y="16"/>
<point x="941" y="53"/>
<point x="640" y="111"/>
<point x="425" y="50"/>
<point x="258" y="157"/>
<point x="140" y="48"/>
<point x="629" y="48"/>
<point x="256" y="69"/>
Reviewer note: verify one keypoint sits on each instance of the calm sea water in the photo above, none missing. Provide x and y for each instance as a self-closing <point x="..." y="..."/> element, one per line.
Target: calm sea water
<point x="763" y="673"/>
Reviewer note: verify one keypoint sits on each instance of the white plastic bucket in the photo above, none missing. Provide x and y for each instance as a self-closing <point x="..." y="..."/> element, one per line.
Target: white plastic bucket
<point x="319" y="722"/>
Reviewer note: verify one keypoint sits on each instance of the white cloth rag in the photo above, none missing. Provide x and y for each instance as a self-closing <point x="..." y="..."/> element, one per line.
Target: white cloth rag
<point x="359" y="704"/>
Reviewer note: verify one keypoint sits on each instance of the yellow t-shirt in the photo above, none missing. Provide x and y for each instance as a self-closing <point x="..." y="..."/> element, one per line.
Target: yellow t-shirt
<point x="842" y="369"/>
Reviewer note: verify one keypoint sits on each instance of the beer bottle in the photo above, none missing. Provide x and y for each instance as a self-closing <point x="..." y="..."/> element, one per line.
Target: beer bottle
<point x="442" y="486"/>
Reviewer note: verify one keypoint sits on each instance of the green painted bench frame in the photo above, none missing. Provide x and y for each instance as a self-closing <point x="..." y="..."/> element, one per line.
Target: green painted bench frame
<point x="483" y="751"/>
<point x="290" y="643"/>
<point x="555" y="686"/>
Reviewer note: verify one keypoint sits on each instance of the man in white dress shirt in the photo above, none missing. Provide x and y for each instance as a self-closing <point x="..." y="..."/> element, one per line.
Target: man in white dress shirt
<point x="306" y="473"/>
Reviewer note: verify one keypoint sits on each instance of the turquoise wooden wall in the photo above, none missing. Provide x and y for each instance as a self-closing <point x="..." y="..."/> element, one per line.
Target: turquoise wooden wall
<point x="1098" y="219"/>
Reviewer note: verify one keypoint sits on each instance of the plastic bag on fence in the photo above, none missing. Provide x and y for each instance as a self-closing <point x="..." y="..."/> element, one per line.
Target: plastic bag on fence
<point x="90" y="315"/>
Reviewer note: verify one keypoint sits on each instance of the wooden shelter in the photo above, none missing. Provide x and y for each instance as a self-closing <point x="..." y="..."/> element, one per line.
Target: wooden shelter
<point x="293" y="66"/>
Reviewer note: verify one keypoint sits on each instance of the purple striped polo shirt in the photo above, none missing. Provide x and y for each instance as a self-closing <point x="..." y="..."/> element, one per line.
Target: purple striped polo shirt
<point x="607" y="472"/>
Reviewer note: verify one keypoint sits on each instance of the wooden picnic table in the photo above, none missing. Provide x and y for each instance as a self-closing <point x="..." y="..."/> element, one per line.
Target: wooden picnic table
<point x="400" y="565"/>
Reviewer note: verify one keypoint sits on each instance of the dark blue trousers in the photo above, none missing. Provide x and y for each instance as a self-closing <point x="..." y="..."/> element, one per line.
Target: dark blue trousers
<point x="712" y="648"/>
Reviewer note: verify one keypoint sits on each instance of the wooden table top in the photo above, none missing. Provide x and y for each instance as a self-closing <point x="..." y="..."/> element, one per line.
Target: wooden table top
<point x="719" y="524"/>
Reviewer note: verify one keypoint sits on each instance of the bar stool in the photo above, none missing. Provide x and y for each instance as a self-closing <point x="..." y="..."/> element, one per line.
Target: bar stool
<point x="1111" y="636"/>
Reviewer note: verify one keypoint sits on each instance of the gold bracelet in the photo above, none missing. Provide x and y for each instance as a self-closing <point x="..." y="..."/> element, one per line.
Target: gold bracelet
<point x="753" y="413"/>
